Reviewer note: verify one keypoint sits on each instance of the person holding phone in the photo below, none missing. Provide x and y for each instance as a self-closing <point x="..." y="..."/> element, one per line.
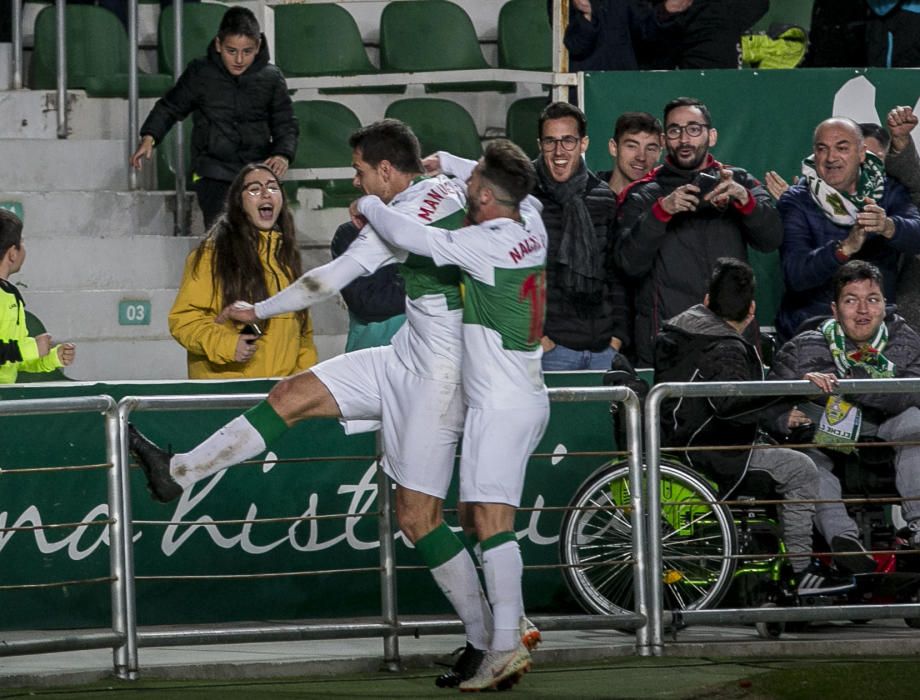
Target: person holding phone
<point x="685" y="214"/>
<point x="251" y="253"/>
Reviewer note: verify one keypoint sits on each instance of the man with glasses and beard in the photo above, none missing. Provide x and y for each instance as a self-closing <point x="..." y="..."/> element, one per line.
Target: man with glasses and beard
<point x="684" y="215"/>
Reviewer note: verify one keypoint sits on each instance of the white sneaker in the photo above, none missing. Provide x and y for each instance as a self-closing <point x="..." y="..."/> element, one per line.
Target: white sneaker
<point x="530" y="635"/>
<point x="499" y="666"/>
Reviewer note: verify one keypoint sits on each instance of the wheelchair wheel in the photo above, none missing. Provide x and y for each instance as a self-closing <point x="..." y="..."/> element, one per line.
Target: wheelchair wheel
<point x="697" y="537"/>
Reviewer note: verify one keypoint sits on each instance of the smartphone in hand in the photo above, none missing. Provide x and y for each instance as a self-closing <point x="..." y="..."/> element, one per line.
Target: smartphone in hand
<point x="252" y="329"/>
<point x="706" y="182"/>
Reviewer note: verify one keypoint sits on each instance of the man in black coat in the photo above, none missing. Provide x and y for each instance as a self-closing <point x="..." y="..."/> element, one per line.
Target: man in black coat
<point x="685" y="214"/>
<point x="705" y="343"/>
<point x="586" y="304"/>
<point x="862" y="340"/>
<point x="241" y="109"/>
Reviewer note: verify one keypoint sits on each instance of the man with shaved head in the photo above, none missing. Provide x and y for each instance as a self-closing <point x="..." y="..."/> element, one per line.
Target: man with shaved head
<point x="843" y="207"/>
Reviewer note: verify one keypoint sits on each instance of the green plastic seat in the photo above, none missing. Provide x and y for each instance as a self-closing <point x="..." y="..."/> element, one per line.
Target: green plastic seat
<point x="440" y="125"/>
<point x="165" y="156"/>
<point x="322" y="39"/>
<point x="200" y="22"/>
<point x="521" y="123"/>
<point x="432" y="35"/>
<point x="324" y="130"/>
<point x="97" y="54"/>
<point x="525" y="40"/>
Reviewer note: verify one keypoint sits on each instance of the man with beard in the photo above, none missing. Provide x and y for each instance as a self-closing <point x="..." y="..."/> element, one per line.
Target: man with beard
<point x="684" y="215"/>
<point x="586" y="307"/>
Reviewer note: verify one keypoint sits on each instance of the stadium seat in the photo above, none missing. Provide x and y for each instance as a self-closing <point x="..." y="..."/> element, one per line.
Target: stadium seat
<point x="525" y="40"/>
<point x="200" y="21"/>
<point x="322" y="39"/>
<point x="432" y="35"/>
<point x="97" y="54"/>
<point x="324" y="130"/>
<point x="165" y="155"/>
<point x="441" y="125"/>
<point x="521" y="123"/>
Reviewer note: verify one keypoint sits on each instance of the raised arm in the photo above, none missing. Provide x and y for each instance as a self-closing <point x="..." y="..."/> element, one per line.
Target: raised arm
<point x="394" y="227"/>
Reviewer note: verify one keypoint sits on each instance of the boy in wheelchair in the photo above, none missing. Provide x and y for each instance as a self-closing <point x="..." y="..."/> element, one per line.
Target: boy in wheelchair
<point x="706" y="343"/>
<point x="863" y="339"/>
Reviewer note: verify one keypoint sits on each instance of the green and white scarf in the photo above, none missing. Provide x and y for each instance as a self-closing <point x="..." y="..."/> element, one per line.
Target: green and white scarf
<point x="842" y="207"/>
<point x="868" y="355"/>
<point x="841" y="420"/>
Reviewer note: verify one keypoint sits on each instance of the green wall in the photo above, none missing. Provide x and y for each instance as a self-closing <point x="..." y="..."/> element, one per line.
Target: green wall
<point x="764" y="120"/>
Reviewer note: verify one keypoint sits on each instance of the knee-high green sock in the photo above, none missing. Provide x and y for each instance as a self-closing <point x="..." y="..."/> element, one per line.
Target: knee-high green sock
<point x="242" y="438"/>
<point x="455" y="573"/>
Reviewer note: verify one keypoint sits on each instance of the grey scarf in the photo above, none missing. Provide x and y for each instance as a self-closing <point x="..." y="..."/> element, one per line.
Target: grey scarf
<point x="580" y="262"/>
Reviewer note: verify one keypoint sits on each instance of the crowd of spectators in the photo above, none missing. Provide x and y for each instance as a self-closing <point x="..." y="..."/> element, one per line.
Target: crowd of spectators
<point x="705" y="34"/>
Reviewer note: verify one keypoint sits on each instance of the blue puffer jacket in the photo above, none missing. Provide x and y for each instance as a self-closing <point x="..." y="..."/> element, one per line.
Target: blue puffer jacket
<point x="809" y="242"/>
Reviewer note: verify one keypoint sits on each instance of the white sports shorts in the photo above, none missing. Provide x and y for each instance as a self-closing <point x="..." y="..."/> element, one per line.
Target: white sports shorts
<point x="422" y="419"/>
<point x="497" y="443"/>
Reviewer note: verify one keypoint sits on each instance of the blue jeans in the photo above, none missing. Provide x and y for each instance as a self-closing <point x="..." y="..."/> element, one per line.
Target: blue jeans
<point x="563" y="358"/>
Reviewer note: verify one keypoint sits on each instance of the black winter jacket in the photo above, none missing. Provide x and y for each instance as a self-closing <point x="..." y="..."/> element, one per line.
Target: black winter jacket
<point x="375" y="297"/>
<point x="708" y="34"/>
<point x="607" y="41"/>
<point x="671" y="257"/>
<point x="573" y="323"/>
<point x="698" y="346"/>
<point x="809" y="352"/>
<point x="236" y="120"/>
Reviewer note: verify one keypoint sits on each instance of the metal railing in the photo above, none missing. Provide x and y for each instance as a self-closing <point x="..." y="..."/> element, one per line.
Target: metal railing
<point x="119" y="638"/>
<point x="390" y="627"/>
<point x="657" y="617"/>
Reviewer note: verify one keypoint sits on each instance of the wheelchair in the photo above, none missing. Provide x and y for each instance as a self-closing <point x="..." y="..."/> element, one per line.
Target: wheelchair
<point x="712" y="551"/>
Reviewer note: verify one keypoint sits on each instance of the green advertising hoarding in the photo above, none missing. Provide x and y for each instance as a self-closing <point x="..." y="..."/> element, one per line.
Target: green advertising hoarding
<point x="313" y="470"/>
<point x="764" y="120"/>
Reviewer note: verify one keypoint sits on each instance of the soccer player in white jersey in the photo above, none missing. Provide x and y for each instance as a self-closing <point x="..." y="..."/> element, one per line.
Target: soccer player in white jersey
<point x="502" y="254"/>
<point x="412" y="386"/>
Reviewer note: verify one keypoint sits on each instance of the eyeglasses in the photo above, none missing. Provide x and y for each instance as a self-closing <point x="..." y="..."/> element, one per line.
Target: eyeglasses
<point x="256" y="189"/>
<point x="548" y="143"/>
<point x="693" y="130"/>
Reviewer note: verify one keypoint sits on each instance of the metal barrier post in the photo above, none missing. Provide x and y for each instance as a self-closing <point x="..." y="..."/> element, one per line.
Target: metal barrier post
<point x="61" y="28"/>
<point x="180" y="174"/>
<point x="132" y="90"/>
<point x="16" y="59"/>
<point x="91" y="640"/>
<point x="653" y="496"/>
<point x="126" y="661"/>
<point x="388" y="602"/>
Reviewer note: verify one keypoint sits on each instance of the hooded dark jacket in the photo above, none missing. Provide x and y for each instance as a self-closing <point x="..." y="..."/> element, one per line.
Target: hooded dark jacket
<point x="809" y="352"/>
<point x="698" y="346"/>
<point x="236" y="119"/>
<point x="671" y="257"/>
<point x="573" y="323"/>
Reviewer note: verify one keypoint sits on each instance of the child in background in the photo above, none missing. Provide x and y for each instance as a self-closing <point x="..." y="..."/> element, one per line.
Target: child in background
<point x="19" y="351"/>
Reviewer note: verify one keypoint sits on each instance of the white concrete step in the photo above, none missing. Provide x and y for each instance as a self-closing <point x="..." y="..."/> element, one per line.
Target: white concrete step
<point x="93" y="213"/>
<point x="72" y="164"/>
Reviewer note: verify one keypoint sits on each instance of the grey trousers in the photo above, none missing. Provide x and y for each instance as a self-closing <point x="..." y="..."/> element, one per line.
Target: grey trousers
<point x="796" y="478"/>
<point x="832" y="519"/>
